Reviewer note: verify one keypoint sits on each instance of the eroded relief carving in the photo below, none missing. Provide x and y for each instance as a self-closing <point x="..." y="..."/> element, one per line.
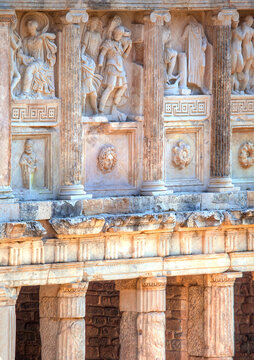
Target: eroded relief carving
<point x="246" y="155"/>
<point x="195" y="47"/>
<point x="28" y="164"/>
<point x="33" y="55"/>
<point x="104" y="79"/>
<point x="107" y="159"/>
<point x="181" y="155"/>
<point x="242" y="56"/>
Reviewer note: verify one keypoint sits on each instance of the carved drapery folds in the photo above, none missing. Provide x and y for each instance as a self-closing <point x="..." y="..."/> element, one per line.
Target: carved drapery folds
<point x="33" y="56"/>
<point x="103" y="71"/>
<point x="28" y="164"/>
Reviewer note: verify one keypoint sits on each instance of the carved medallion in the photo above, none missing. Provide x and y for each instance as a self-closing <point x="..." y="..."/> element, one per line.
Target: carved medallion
<point x="106" y="159"/>
<point x="246" y="155"/>
<point x="181" y="155"/>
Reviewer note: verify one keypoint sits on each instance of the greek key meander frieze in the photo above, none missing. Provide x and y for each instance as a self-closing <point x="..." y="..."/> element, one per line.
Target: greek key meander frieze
<point x="242" y="106"/>
<point x="44" y="113"/>
<point x="186" y="107"/>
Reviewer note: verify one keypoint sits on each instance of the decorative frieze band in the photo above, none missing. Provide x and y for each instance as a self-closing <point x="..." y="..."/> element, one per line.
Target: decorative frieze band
<point x="186" y="107"/>
<point x="242" y="105"/>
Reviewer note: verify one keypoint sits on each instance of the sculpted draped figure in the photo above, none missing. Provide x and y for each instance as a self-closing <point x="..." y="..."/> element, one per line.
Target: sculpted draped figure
<point x="242" y="56"/>
<point x="28" y="164"/>
<point x="33" y="58"/>
<point x="196" y="44"/>
<point x="103" y="72"/>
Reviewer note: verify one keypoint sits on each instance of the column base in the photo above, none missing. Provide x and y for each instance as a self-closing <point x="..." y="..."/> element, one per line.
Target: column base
<point x="73" y="192"/>
<point x="6" y="193"/>
<point x="154" y="188"/>
<point x="221" y="184"/>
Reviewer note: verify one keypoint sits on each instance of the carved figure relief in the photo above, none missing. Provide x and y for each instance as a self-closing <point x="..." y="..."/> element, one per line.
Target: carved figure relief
<point x="28" y="164"/>
<point x="102" y="56"/>
<point x="33" y="58"/>
<point x="107" y="159"/>
<point x="242" y="56"/>
<point x="195" y="47"/>
<point x="246" y="155"/>
<point x="181" y="156"/>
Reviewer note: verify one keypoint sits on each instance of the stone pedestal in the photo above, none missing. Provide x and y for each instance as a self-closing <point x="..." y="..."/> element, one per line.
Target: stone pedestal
<point x="70" y="94"/>
<point x="8" y="297"/>
<point x="153" y="163"/>
<point x="71" y="338"/>
<point x="220" y="167"/>
<point x="211" y="318"/>
<point x="5" y="104"/>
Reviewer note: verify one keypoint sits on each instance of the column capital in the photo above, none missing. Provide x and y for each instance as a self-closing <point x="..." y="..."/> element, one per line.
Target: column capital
<point x="75" y="17"/>
<point x="151" y="294"/>
<point x="152" y="283"/>
<point x="8" y="295"/>
<point x="221" y="280"/>
<point x="158" y="16"/>
<point x="7" y="15"/>
<point x="73" y="290"/>
<point x="225" y="16"/>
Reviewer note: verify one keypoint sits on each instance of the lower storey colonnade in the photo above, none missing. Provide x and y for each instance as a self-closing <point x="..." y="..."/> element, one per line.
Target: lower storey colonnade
<point x="185" y="318"/>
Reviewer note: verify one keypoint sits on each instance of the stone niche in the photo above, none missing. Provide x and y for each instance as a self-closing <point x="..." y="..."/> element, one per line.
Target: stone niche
<point x="113" y="156"/>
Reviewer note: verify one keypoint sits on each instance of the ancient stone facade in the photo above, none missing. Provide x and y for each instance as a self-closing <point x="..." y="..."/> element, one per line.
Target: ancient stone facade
<point x="126" y="179"/>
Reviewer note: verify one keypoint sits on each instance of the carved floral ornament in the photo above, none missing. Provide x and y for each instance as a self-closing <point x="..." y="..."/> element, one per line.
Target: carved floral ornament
<point x="107" y="159"/>
<point x="246" y="155"/>
<point x="181" y="156"/>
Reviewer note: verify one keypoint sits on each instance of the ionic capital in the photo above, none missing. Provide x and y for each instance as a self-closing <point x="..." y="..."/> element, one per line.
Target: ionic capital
<point x="8" y="295"/>
<point x="225" y="16"/>
<point x="7" y="16"/>
<point x="75" y="17"/>
<point x="158" y="16"/>
<point x="221" y="280"/>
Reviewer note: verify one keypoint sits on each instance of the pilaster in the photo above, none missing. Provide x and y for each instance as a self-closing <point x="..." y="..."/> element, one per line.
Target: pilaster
<point x="8" y="297"/>
<point x="70" y="93"/>
<point x="153" y="163"/>
<point x="71" y="308"/>
<point x="6" y="17"/>
<point x="220" y="167"/>
<point x="211" y="318"/>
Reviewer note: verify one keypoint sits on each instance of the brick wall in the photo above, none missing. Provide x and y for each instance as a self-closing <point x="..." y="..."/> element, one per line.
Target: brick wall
<point x="244" y="318"/>
<point x="28" y="343"/>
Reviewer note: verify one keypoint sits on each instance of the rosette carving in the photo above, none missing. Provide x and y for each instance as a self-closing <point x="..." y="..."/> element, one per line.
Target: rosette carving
<point x="107" y="159"/>
<point x="181" y="155"/>
<point x="246" y="155"/>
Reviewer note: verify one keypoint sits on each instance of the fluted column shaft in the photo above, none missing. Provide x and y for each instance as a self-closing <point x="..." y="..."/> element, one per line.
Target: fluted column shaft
<point x="220" y="167"/>
<point x="70" y="93"/>
<point x="5" y="104"/>
<point x="153" y="163"/>
<point x="8" y="297"/>
<point x="71" y="338"/>
<point x="216" y="318"/>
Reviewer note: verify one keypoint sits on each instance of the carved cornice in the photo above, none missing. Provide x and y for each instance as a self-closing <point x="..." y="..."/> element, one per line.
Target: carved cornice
<point x="221" y="280"/>
<point x="75" y="17"/>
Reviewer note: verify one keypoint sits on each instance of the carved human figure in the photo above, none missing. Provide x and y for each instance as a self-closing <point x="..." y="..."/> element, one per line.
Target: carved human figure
<point x="28" y="164"/>
<point x="89" y="55"/>
<point x="113" y="51"/>
<point x="169" y="55"/>
<point x="40" y="51"/>
<point x="16" y="54"/>
<point x="237" y="62"/>
<point x="196" y="43"/>
<point x="248" y="53"/>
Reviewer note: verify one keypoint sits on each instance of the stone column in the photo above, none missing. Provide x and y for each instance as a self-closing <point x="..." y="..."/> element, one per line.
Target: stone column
<point x="8" y="297"/>
<point x="70" y="94"/>
<point x="151" y="306"/>
<point x="220" y="167"/>
<point x="153" y="157"/>
<point x="71" y="340"/>
<point x="128" y="325"/>
<point x="211" y="318"/>
<point x="6" y="17"/>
